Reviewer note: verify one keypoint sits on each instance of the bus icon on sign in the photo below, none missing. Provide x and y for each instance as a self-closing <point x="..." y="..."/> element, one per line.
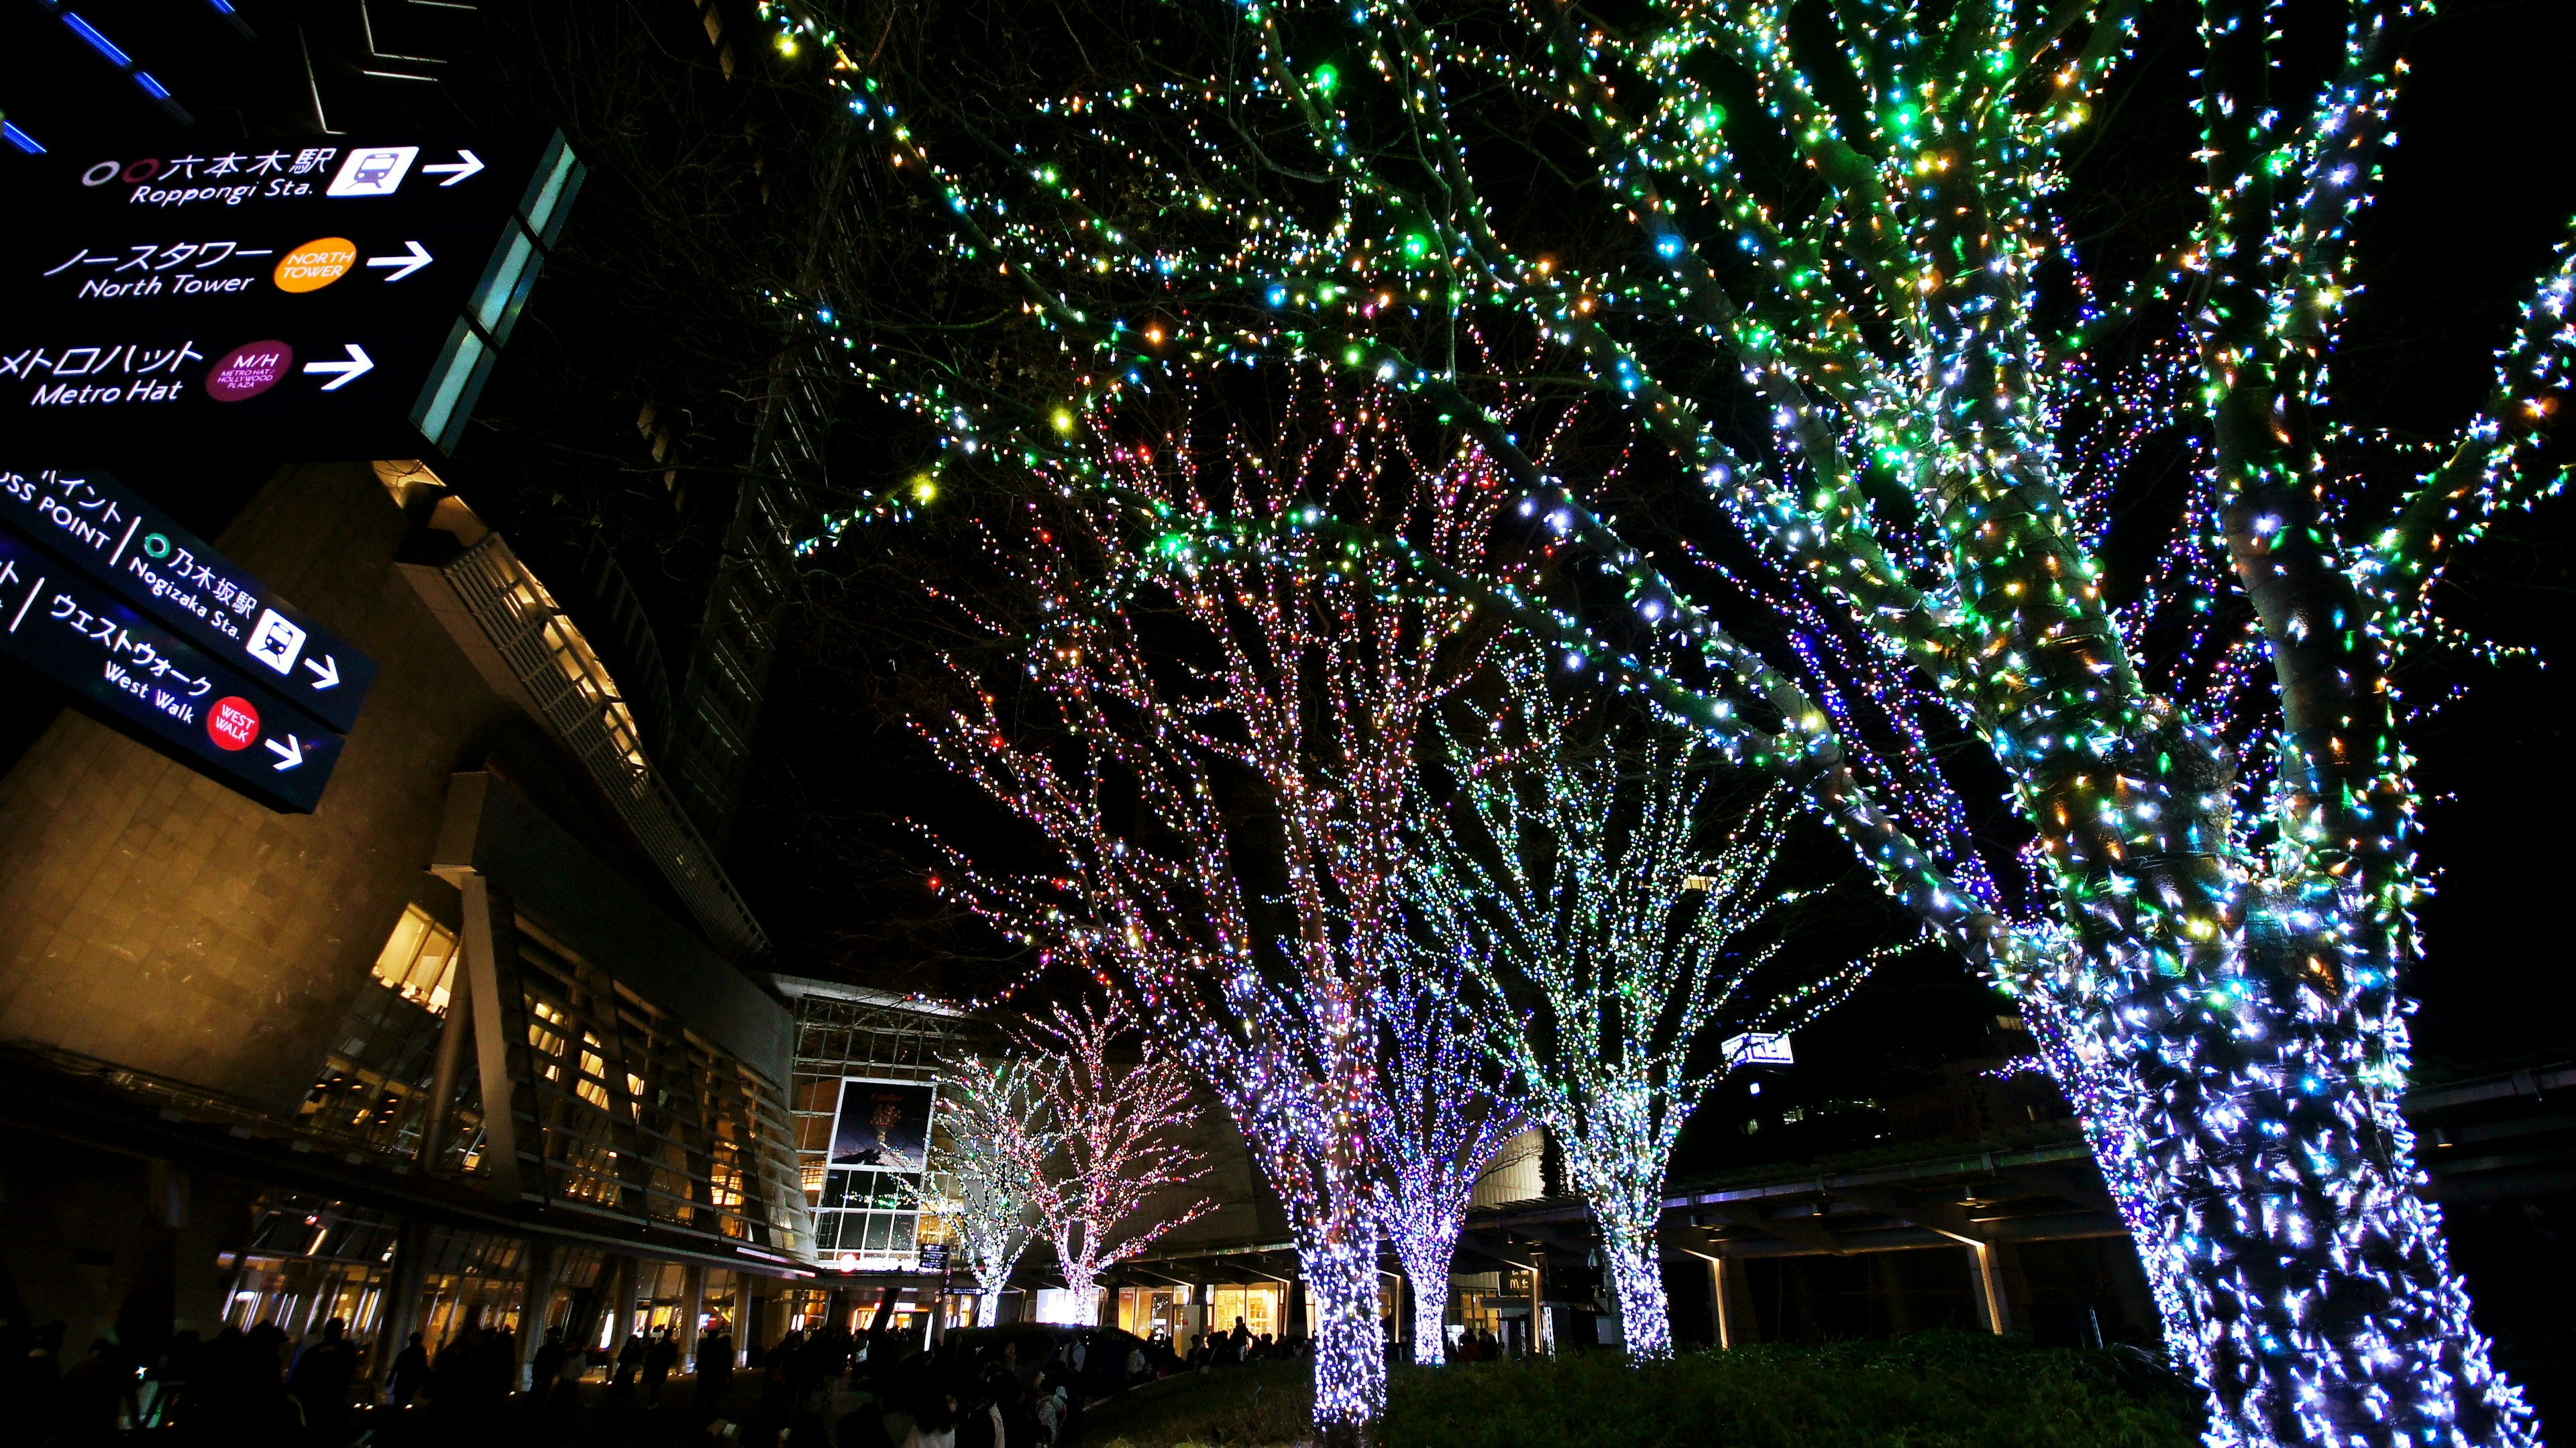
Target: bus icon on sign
<point x="373" y="171"/>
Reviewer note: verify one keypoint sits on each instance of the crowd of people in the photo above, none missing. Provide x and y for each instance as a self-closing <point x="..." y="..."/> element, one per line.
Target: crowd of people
<point x="829" y="1387"/>
<point x="824" y="1388"/>
<point x="1241" y="1345"/>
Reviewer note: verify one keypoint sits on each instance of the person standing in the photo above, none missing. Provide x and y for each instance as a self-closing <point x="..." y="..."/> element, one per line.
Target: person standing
<point x="660" y="1356"/>
<point x="715" y="1361"/>
<point x="547" y="1367"/>
<point x="409" y="1374"/>
<point x="630" y="1363"/>
<point x="320" y="1379"/>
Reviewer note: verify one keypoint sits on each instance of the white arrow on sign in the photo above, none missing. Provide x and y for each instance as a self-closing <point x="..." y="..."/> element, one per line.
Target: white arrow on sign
<point x="406" y="265"/>
<point x="465" y="164"/>
<point x="326" y="672"/>
<point x="358" y="365"/>
<point x="289" y="754"/>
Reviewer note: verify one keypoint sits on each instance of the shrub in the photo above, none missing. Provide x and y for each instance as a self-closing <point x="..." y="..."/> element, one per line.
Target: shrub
<point x="1933" y="1390"/>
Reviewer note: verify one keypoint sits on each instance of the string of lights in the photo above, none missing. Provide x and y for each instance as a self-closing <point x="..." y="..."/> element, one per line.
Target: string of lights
<point x="1256" y="936"/>
<point x="997" y="1136"/>
<point x="2227" y="869"/>
<point x="1611" y="939"/>
<point x="1110" y="1146"/>
<point x="1439" y="1125"/>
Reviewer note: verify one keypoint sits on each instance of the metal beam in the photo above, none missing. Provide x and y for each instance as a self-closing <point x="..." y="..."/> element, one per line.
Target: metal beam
<point x="1946" y="1218"/>
<point x="1812" y="1235"/>
<point x="2068" y="1183"/>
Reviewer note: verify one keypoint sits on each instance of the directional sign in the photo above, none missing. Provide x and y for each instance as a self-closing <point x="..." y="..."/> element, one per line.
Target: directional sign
<point x="114" y="535"/>
<point x="120" y="268"/>
<point x="494" y="174"/>
<point x="324" y="389"/>
<point x="318" y="301"/>
<point x="410" y="259"/>
<point x="1758" y="1048"/>
<point x="156" y="685"/>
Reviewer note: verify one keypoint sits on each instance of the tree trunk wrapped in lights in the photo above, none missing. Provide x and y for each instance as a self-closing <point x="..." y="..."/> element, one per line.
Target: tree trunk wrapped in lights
<point x="1217" y="743"/>
<point x="1439" y="1124"/>
<point x="1830" y="277"/>
<point x="1108" y="1147"/>
<point x="997" y="1137"/>
<point x="1617" y="922"/>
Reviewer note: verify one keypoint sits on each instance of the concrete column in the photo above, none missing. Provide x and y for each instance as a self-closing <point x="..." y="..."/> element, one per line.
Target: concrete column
<point x="1986" y="1285"/>
<point x="403" y="1293"/>
<point x="622" y="1272"/>
<point x="844" y="1305"/>
<point x="486" y="927"/>
<point x="1542" y="1327"/>
<point x="693" y="1310"/>
<point x="750" y="1311"/>
<point x="1720" y="1320"/>
<point x="535" y="1302"/>
<point x="439" y="1120"/>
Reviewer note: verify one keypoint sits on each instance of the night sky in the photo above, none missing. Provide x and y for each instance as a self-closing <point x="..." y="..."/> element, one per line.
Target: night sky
<point x="2469" y="215"/>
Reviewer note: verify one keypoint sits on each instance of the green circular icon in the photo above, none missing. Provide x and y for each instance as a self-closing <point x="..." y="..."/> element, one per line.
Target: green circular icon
<point x="155" y="546"/>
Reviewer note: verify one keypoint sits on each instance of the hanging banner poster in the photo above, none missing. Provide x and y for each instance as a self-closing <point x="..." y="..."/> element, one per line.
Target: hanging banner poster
<point x="883" y="1126"/>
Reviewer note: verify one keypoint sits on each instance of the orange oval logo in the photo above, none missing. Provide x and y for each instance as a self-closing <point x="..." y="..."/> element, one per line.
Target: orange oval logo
<point x="316" y="264"/>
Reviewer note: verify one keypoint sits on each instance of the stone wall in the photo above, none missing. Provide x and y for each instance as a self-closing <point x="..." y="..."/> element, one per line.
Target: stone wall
<point x="153" y="918"/>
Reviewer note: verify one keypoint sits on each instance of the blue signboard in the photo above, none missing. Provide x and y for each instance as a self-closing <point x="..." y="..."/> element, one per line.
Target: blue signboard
<point x="111" y="532"/>
<point x="157" y="685"/>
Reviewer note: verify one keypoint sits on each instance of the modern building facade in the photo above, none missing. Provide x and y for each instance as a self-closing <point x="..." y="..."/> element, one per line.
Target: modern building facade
<point x="464" y="1039"/>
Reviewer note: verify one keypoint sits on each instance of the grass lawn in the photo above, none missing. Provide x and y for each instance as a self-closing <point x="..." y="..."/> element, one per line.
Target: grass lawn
<point x="1934" y="1390"/>
<point x="1255" y="1405"/>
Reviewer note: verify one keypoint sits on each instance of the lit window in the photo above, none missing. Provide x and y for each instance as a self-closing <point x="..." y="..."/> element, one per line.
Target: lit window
<point x="419" y="960"/>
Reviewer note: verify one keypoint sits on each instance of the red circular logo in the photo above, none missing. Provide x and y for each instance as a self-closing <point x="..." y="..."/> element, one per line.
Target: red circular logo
<point x="249" y="370"/>
<point x="232" y="723"/>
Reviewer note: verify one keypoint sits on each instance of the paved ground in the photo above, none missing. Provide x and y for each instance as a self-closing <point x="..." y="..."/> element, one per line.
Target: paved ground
<point x="596" y="1422"/>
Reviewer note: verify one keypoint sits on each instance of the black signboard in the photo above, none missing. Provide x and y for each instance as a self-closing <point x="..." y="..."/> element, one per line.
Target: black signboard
<point x="156" y="684"/>
<point x="291" y="300"/>
<point x="934" y="1258"/>
<point x="90" y="519"/>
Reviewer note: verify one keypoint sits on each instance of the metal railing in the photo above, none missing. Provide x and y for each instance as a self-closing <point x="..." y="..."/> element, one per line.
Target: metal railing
<point x="574" y="694"/>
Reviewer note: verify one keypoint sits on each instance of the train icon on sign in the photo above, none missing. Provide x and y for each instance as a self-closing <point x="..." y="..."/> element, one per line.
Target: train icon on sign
<point x="373" y="171"/>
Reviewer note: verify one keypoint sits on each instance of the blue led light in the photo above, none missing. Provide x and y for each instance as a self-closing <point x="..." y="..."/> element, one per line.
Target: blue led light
<point x="151" y="87"/>
<point x="20" y="139"/>
<point x="98" y="42"/>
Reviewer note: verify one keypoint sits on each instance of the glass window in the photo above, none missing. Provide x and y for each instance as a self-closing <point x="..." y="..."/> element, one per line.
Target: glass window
<point x="419" y="960"/>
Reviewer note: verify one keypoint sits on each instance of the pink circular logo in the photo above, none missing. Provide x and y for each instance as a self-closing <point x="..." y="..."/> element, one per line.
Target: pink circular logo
<point x="233" y="723"/>
<point x="249" y="370"/>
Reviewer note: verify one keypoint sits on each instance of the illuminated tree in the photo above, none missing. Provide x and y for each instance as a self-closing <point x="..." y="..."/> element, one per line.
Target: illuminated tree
<point x="998" y="1136"/>
<point x="1821" y="265"/>
<point x="1439" y="1124"/>
<point x="1110" y="1147"/>
<point x="1620" y="920"/>
<point x="1216" y="742"/>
